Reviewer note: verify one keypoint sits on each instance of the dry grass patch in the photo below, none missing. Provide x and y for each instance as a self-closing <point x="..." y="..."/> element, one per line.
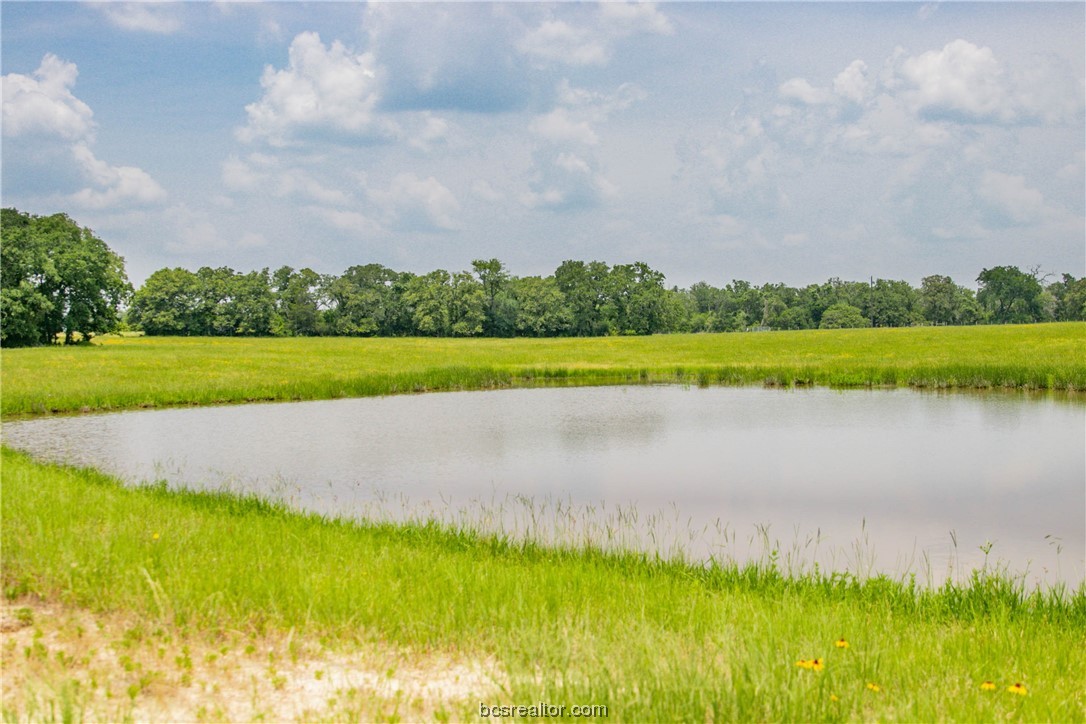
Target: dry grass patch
<point x="71" y="664"/>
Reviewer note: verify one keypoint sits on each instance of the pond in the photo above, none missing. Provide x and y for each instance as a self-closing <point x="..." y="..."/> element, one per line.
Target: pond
<point x="892" y="481"/>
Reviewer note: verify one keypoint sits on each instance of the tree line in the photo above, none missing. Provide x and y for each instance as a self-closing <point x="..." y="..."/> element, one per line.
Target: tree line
<point x="58" y="279"/>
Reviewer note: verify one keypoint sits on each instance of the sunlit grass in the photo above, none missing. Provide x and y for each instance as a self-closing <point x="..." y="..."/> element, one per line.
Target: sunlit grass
<point x="653" y="639"/>
<point x="131" y="372"/>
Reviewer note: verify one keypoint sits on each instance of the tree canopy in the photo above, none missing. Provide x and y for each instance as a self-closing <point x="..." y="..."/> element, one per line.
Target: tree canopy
<point x="579" y="299"/>
<point x="56" y="278"/>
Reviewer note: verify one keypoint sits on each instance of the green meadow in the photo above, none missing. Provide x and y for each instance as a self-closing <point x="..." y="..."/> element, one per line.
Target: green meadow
<point x="176" y="583"/>
<point x="652" y="640"/>
<point x="125" y="372"/>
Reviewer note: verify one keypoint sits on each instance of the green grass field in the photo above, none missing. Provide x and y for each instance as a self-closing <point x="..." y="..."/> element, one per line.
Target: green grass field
<point x="176" y="583"/>
<point x="649" y="639"/>
<point x="129" y="372"/>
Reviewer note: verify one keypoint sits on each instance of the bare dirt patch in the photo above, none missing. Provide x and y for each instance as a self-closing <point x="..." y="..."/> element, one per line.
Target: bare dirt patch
<point x="66" y="663"/>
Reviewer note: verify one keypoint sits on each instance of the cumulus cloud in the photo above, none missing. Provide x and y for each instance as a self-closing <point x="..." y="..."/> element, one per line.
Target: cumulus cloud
<point x="150" y="17"/>
<point x="741" y="168"/>
<point x="346" y="219"/>
<point x="964" y="82"/>
<point x="888" y="126"/>
<point x="1009" y="195"/>
<point x="113" y="185"/>
<point x="264" y="174"/>
<point x="430" y="131"/>
<point x="483" y="190"/>
<point x="43" y="103"/>
<point x="565" y="181"/>
<point x="237" y="175"/>
<point x="626" y="18"/>
<point x="560" y="126"/>
<point x="852" y="83"/>
<point x="959" y="79"/>
<point x="799" y="89"/>
<point x="448" y="56"/>
<point x="592" y="44"/>
<point x="42" y="107"/>
<point x="323" y="88"/>
<point x="565" y="172"/>
<point x="556" y="40"/>
<point x="193" y="231"/>
<point x="299" y="183"/>
<point x="418" y="203"/>
<point x="917" y="98"/>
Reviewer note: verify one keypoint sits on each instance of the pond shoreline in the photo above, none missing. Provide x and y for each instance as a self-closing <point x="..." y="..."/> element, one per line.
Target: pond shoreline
<point x="667" y="469"/>
<point x="190" y="567"/>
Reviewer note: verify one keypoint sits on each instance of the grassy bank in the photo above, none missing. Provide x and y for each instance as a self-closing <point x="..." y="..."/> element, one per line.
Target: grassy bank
<point x="120" y="373"/>
<point x="651" y="640"/>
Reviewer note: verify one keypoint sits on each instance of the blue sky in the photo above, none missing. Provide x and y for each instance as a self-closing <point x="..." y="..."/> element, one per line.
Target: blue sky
<point x="715" y="141"/>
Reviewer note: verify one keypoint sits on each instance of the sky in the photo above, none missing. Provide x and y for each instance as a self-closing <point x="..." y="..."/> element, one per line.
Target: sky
<point x="770" y="142"/>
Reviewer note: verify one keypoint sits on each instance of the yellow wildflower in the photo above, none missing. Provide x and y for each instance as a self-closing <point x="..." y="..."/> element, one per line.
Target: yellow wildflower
<point x="841" y="644"/>
<point x="154" y="536"/>
<point x="811" y="664"/>
<point x="988" y="686"/>
<point x="1017" y="689"/>
<point x="833" y="697"/>
<point x="874" y="687"/>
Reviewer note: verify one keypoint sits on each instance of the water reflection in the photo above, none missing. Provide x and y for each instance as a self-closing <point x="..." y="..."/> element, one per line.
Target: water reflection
<point x="894" y="471"/>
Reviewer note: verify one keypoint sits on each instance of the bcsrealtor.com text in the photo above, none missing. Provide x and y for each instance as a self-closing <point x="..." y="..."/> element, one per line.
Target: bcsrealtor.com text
<point x="542" y="710"/>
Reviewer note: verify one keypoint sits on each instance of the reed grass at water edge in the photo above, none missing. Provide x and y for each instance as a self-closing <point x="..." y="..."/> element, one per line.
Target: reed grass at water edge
<point x="649" y="638"/>
<point x="128" y="372"/>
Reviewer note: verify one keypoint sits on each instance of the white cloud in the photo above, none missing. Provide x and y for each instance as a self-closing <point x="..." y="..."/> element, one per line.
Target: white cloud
<point x="1010" y="195"/>
<point x="959" y="79"/>
<point x="240" y="176"/>
<point x="888" y="126"/>
<point x="800" y="90"/>
<point x="353" y="221"/>
<point x="1046" y="89"/>
<point x="485" y="191"/>
<point x="113" y="185"/>
<point x="558" y="41"/>
<point x="558" y="126"/>
<point x="564" y="175"/>
<point x="299" y="183"/>
<point x="740" y="167"/>
<point x="927" y="10"/>
<point x="920" y="102"/>
<point x="852" y="83"/>
<point x="193" y="231"/>
<point x="626" y="18"/>
<point x="44" y="107"/>
<point x="44" y="104"/>
<point x="418" y="203"/>
<point x="566" y="181"/>
<point x="322" y="89"/>
<point x="150" y="17"/>
<point x="262" y="174"/>
<point x="433" y="130"/>
<point x="967" y="83"/>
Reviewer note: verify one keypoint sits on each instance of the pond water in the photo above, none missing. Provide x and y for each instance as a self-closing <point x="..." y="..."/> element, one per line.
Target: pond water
<point x="891" y="481"/>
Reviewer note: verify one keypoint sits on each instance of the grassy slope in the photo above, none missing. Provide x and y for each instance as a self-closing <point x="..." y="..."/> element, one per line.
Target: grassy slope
<point x="132" y="372"/>
<point x="653" y="641"/>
